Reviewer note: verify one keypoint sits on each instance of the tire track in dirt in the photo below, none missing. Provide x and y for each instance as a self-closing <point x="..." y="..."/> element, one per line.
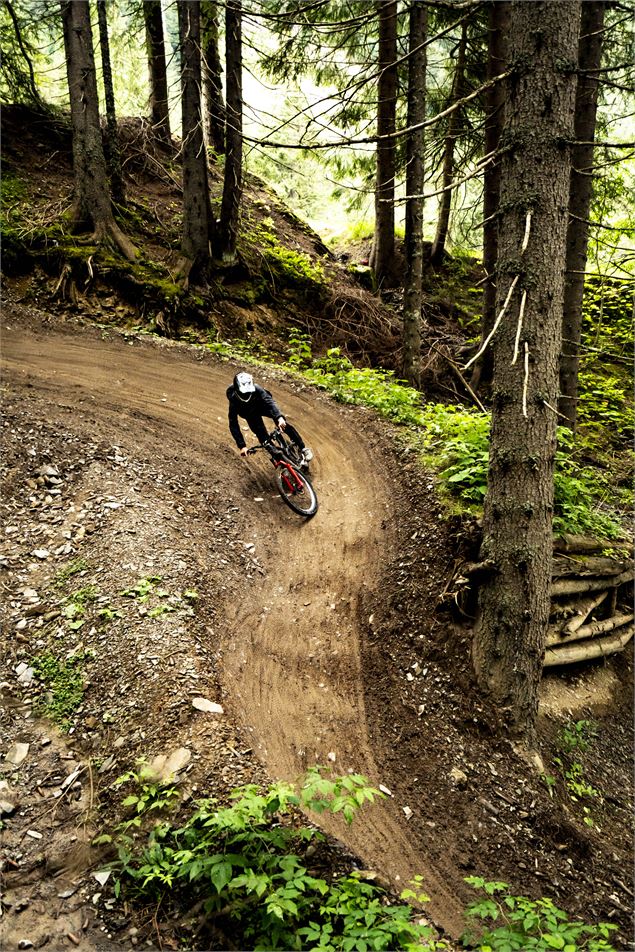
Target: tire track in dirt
<point x="292" y="659"/>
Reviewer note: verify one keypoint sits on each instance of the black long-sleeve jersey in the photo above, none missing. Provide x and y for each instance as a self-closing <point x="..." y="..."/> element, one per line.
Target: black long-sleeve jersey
<point x="260" y="404"/>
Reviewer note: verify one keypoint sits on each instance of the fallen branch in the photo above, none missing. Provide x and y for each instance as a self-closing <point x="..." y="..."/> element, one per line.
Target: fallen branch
<point x="483" y="347"/>
<point x="600" y="627"/>
<point x="586" y="606"/>
<point x="591" y="648"/>
<point x="578" y="544"/>
<point x="555" y="637"/>
<point x="571" y="586"/>
<point x="581" y="566"/>
<point x="457" y="373"/>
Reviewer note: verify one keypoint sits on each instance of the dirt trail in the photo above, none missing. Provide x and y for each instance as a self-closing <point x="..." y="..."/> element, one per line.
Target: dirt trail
<point x="292" y="654"/>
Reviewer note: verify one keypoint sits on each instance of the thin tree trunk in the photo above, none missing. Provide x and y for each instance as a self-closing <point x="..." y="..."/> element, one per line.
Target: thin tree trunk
<point x="232" y="181"/>
<point x="454" y="126"/>
<point x="589" y="60"/>
<point x="111" y="138"/>
<point x="159" y="101"/>
<point x="414" y="188"/>
<point x="497" y="43"/>
<point x="35" y="96"/>
<point x="212" y="78"/>
<point x="383" y="253"/>
<point x="509" y="638"/>
<point x="92" y="203"/>
<point x="197" y="216"/>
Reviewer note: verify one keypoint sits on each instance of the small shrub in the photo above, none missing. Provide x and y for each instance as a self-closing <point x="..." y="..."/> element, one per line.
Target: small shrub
<point x="244" y="864"/>
<point x="577" y="735"/>
<point x="517" y="923"/>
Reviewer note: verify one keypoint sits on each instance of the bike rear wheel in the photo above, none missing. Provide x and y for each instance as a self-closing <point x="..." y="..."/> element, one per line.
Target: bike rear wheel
<point x="296" y="490"/>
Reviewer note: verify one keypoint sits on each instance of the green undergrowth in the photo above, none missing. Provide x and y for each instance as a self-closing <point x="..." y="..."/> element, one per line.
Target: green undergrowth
<point x="63" y="686"/>
<point x="454" y="441"/>
<point x="282" y="266"/>
<point x="248" y="867"/>
<point x="569" y="776"/>
<point x="508" y="923"/>
<point x="250" y="871"/>
<point x="606" y="408"/>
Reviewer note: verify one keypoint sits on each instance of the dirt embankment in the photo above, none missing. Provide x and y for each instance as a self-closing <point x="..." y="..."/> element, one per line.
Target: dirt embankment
<point x="318" y="638"/>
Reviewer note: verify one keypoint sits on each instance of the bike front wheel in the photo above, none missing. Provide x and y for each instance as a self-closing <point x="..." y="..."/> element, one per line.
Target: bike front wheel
<point x="296" y="490"/>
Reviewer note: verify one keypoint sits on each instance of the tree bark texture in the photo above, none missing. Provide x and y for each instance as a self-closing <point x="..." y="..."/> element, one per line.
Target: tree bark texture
<point x="111" y="137"/>
<point x="92" y="204"/>
<point x="497" y="43"/>
<point x="155" y="44"/>
<point x="509" y="638"/>
<point x="414" y="187"/>
<point x="454" y="127"/>
<point x="197" y="217"/>
<point x="382" y="257"/>
<point x="589" y="60"/>
<point x="212" y="78"/>
<point x="232" y="181"/>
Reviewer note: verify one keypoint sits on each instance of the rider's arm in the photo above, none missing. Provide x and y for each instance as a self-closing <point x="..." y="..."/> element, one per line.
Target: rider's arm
<point x="234" y="427"/>
<point x="271" y="407"/>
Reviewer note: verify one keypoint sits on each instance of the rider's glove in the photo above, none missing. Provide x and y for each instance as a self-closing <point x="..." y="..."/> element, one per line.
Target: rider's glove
<point x="282" y="423"/>
<point x="243" y="451"/>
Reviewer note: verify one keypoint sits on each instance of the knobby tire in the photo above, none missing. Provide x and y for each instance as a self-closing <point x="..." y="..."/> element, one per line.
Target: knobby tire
<point x="303" y="500"/>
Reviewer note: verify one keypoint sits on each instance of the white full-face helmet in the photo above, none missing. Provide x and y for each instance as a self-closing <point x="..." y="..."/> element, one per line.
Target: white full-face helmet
<point x="244" y="386"/>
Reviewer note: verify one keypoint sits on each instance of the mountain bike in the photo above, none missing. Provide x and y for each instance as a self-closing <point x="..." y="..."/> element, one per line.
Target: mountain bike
<point x="293" y="483"/>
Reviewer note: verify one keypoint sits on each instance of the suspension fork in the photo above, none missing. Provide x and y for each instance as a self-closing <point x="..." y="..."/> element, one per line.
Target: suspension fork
<point x="289" y="477"/>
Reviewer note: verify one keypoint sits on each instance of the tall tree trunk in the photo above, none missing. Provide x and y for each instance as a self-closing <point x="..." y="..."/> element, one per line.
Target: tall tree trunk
<point x="454" y="126"/>
<point x="497" y="44"/>
<point x="159" y="101"/>
<point x="589" y="60"/>
<point x="509" y="638"/>
<point x="232" y="181"/>
<point x="197" y="216"/>
<point x="212" y="78"/>
<point x="418" y="26"/>
<point x="383" y="253"/>
<point x="92" y="204"/>
<point x="111" y="137"/>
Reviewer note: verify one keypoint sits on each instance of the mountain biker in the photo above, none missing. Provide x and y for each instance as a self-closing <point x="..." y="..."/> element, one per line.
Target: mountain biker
<point x="252" y="403"/>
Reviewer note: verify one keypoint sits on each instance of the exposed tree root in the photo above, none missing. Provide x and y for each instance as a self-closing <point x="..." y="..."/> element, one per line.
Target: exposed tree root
<point x="108" y="231"/>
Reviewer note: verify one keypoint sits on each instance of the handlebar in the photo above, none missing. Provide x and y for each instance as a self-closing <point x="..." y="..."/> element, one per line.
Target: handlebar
<point x="261" y="446"/>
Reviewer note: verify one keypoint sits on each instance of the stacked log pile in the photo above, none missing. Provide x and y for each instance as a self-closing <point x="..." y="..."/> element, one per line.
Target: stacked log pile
<point x="591" y="602"/>
<point x="592" y="611"/>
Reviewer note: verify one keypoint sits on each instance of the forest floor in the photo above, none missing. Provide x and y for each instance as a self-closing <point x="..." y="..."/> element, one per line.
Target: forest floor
<point x="322" y="641"/>
<point x="326" y="642"/>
